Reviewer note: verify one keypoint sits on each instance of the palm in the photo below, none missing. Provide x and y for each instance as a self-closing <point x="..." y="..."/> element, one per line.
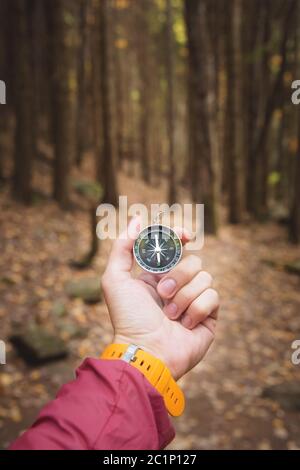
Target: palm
<point x="138" y="314"/>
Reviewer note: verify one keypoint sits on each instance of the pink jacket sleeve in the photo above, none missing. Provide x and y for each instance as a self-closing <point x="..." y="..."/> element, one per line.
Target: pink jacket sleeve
<point x="110" y="405"/>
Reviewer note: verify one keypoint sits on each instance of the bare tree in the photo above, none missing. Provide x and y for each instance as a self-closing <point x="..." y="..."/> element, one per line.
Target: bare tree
<point x="143" y="63"/>
<point x="295" y="208"/>
<point x="107" y="171"/>
<point x="81" y="126"/>
<point x="202" y="98"/>
<point x="235" y="142"/>
<point x="63" y="29"/>
<point x="170" y="102"/>
<point x="24" y="137"/>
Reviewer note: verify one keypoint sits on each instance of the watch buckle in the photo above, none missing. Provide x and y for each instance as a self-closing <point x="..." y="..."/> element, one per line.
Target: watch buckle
<point x="129" y="354"/>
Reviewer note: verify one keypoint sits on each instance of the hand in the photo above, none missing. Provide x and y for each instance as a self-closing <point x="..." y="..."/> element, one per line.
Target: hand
<point x="172" y="316"/>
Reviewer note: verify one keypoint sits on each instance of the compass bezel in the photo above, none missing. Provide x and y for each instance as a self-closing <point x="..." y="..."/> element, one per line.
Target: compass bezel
<point x="178" y="249"/>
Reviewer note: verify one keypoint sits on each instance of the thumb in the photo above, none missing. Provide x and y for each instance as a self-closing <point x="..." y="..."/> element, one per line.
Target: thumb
<point x="121" y="256"/>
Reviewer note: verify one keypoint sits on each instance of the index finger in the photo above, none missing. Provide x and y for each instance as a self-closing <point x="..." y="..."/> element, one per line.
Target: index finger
<point x="184" y="234"/>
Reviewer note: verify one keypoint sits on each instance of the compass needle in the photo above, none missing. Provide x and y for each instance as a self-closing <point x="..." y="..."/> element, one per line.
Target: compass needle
<point x="157" y="248"/>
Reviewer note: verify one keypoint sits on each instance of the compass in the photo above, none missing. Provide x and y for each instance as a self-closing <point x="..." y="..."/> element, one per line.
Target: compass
<point x="157" y="248"/>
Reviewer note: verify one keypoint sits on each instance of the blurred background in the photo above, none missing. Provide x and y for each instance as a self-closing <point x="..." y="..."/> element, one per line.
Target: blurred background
<point x="161" y="101"/>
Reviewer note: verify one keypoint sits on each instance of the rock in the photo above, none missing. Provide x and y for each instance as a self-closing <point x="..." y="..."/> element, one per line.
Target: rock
<point x="293" y="267"/>
<point x="37" y="346"/>
<point x="87" y="289"/>
<point x="59" y="309"/>
<point x="69" y="330"/>
<point x="286" y="394"/>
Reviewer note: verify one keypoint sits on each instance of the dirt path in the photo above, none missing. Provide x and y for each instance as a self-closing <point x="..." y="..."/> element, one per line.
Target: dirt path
<point x="259" y="319"/>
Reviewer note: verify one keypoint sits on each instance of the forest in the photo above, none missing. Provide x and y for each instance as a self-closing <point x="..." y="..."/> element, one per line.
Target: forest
<point x="161" y="101"/>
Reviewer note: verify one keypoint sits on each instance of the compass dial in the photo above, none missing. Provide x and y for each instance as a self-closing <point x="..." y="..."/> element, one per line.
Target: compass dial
<point x="157" y="249"/>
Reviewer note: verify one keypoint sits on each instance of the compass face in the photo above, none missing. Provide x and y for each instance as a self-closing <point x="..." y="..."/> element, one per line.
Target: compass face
<point x="157" y="249"/>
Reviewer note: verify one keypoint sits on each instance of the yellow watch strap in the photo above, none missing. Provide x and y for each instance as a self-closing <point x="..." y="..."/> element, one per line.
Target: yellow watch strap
<point x="154" y="370"/>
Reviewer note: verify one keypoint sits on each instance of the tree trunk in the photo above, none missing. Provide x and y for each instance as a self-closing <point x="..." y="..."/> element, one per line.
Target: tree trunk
<point x="96" y="92"/>
<point x="120" y="49"/>
<point x="202" y="99"/>
<point x="235" y="106"/>
<point x="170" y="103"/>
<point x="251" y="33"/>
<point x="108" y="176"/>
<point x="82" y="79"/>
<point x="295" y="208"/>
<point x="143" y="62"/>
<point x="265" y="86"/>
<point x="24" y="145"/>
<point x="63" y="33"/>
<point x="267" y="114"/>
<point x="211" y="151"/>
<point x="3" y="76"/>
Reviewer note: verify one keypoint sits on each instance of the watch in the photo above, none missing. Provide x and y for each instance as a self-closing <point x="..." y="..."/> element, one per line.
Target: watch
<point x="154" y="370"/>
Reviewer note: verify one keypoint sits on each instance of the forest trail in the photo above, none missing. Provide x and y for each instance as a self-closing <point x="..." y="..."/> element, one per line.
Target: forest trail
<point x="259" y="319"/>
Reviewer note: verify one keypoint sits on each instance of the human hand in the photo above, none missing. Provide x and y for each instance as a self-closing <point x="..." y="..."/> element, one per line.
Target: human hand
<point x="172" y="316"/>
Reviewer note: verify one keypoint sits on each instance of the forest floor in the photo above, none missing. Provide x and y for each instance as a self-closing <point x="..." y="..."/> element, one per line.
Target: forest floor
<point x="259" y="319"/>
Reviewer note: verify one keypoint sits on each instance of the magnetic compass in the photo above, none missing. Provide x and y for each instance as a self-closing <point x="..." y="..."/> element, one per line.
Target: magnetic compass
<point x="157" y="248"/>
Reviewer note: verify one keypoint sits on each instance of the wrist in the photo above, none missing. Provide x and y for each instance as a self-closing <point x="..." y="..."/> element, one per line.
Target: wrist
<point x="151" y="367"/>
<point x="151" y="349"/>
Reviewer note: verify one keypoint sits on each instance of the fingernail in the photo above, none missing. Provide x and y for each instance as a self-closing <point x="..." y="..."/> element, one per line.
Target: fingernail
<point x="167" y="287"/>
<point x="186" y="321"/>
<point x="188" y="234"/>
<point x="171" y="310"/>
